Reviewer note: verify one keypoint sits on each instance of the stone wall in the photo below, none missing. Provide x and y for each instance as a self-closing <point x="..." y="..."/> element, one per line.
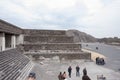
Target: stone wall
<point x="49" y="43"/>
<point x="44" y="32"/>
<point x="9" y="28"/>
<point x="69" y="56"/>
<point x="36" y="47"/>
<point x="48" y="39"/>
<point x="54" y="41"/>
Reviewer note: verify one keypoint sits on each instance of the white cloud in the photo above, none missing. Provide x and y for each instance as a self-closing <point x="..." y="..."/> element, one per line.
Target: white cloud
<point x="91" y="16"/>
<point x="106" y="21"/>
<point x="93" y="6"/>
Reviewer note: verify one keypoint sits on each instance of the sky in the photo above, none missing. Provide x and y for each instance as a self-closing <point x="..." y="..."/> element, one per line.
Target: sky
<point x="99" y="18"/>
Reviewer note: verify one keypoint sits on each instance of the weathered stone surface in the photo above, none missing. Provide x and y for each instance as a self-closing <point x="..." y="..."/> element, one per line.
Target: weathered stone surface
<point x="66" y="55"/>
<point x="9" y="28"/>
<point x="48" y="39"/>
<point x="38" y="40"/>
<point x="61" y="46"/>
<point x="44" y="32"/>
<point x="49" y="43"/>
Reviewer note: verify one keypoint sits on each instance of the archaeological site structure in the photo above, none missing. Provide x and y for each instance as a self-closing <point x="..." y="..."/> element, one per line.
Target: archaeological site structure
<point x="18" y="47"/>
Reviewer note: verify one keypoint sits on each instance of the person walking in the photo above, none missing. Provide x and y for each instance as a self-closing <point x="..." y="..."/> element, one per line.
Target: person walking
<point x="69" y="71"/>
<point x="64" y="76"/>
<point x="77" y="71"/>
<point x="60" y="76"/>
<point x="84" y="71"/>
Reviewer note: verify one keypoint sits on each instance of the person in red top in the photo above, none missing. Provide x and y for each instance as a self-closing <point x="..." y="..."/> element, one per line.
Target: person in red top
<point x="64" y="76"/>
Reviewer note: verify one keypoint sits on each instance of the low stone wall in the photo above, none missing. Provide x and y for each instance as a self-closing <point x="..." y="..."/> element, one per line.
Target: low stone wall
<point x="61" y="46"/>
<point x="44" y="32"/>
<point x="80" y="55"/>
<point x="48" y="39"/>
<point x="94" y="54"/>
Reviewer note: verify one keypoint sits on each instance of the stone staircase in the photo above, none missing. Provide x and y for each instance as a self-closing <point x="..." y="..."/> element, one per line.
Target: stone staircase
<point x="51" y="42"/>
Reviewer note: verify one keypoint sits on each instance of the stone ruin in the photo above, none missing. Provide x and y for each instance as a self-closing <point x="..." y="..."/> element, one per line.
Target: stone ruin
<point x="36" y="44"/>
<point x="50" y="43"/>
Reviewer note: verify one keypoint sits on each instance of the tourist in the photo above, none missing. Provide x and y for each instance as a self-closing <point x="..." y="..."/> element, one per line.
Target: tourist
<point x="60" y="76"/>
<point x="64" y="76"/>
<point x="96" y="48"/>
<point x="70" y="71"/>
<point x="30" y="78"/>
<point x="100" y="61"/>
<point x="84" y="71"/>
<point x="97" y="60"/>
<point x="77" y="71"/>
<point x="85" y="77"/>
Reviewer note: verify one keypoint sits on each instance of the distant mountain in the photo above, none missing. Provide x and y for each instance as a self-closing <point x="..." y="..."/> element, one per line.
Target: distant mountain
<point x="110" y="40"/>
<point x="81" y="36"/>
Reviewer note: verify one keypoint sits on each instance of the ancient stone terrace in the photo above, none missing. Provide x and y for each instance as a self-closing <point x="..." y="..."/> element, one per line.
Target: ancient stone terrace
<point x="43" y="32"/>
<point x="55" y="46"/>
<point x="47" y="39"/>
<point x="13" y="65"/>
<point x="49" y="43"/>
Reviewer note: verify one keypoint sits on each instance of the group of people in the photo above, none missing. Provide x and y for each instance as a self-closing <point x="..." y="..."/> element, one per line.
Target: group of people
<point x="64" y="75"/>
<point x="100" y="61"/>
<point x="77" y="71"/>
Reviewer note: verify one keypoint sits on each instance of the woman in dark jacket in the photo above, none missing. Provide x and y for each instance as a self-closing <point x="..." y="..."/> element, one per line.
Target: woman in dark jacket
<point x="85" y="77"/>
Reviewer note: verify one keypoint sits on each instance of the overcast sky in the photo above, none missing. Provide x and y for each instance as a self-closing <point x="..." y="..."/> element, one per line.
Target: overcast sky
<point x="99" y="18"/>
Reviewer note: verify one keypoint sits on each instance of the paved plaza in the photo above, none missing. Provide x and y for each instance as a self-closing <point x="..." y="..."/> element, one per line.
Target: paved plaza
<point x="49" y="70"/>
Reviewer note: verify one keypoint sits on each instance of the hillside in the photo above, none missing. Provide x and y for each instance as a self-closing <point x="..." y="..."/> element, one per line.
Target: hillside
<point x="81" y="36"/>
<point x="110" y="40"/>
